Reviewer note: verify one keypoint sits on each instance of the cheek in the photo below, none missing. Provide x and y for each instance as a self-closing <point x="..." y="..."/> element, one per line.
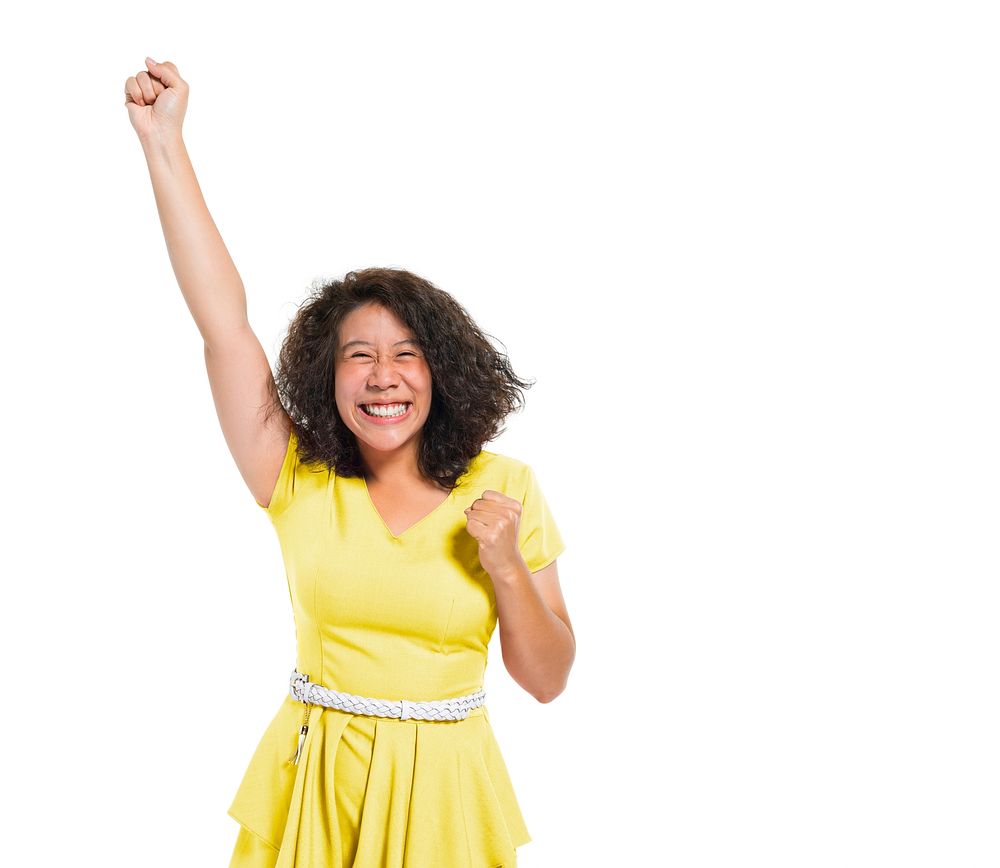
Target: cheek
<point x="343" y="394"/>
<point x="425" y="377"/>
<point x="346" y="379"/>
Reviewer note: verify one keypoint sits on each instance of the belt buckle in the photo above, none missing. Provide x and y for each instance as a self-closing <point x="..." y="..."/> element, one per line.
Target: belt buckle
<point x="299" y="682"/>
<point x="406" y="709"/>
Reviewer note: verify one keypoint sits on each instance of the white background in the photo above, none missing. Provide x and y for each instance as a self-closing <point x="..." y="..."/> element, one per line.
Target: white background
<point x="748" y="252"/>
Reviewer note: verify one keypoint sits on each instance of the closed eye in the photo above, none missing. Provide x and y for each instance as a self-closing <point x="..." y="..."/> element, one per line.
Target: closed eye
<point x="366" y="356"/>
<point x="360" y="356"/>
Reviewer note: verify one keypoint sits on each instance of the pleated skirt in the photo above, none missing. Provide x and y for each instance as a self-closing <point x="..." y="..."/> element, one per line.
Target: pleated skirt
<point x="464" y="814"/>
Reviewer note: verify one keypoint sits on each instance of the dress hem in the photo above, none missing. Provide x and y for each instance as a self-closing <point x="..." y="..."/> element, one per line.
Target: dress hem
<point x="515" y="842"/>
<point x="259" y="837"/>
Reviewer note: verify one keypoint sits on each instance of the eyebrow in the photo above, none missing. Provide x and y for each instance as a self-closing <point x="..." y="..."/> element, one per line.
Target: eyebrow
<point x="368" y="344"/>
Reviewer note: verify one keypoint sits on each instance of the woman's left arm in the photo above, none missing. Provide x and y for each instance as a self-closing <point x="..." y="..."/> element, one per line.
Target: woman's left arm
<point x="536" y="637"/>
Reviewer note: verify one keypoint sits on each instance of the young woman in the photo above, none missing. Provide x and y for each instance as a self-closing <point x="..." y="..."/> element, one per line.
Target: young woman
<point x="404" y="543"/>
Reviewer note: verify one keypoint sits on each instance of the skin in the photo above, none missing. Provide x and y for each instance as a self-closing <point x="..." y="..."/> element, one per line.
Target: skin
<point x="387" y="367"/>
<point x="383" y="370"/>
<point x="536" y="636"/>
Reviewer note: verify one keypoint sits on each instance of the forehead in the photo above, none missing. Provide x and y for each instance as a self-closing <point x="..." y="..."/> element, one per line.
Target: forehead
<point x="373" y="324"/>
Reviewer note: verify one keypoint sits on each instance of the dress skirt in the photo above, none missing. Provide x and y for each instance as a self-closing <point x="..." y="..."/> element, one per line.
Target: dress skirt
<point x="373" y="792"/>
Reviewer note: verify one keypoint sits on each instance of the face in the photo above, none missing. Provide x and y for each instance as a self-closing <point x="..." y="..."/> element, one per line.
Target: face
<point x="382" y="380"/>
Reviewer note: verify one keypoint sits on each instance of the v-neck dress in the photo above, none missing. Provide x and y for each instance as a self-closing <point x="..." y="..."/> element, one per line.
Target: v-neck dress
<point x="405" y="616"/>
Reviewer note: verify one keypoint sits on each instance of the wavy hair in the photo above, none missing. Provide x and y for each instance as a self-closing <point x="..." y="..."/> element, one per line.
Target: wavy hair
<point x="473" y="385"/>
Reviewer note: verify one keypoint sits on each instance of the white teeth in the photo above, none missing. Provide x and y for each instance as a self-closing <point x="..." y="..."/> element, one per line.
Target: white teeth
<point x="385" y="409"/>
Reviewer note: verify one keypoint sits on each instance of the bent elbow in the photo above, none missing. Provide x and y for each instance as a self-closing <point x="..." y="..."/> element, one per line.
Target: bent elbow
<point x="546" y="698"/>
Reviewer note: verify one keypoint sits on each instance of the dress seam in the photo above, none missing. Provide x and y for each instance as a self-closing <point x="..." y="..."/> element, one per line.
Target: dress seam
<point x="319" y="631"/>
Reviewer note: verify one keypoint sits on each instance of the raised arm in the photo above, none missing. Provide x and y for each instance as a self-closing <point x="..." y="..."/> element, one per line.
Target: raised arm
<point x="238" y="371"/>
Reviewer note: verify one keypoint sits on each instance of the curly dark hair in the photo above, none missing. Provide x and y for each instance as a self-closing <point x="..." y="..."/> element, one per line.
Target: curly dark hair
<point x="473" y="385"/>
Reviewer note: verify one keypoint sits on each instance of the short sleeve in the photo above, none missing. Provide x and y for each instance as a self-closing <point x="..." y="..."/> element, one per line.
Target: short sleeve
<point x="538" y="538"/>
<point x="284" y="487"/>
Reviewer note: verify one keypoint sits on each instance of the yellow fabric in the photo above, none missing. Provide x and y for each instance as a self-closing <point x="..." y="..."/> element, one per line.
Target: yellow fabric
<point x="391" y="617"/>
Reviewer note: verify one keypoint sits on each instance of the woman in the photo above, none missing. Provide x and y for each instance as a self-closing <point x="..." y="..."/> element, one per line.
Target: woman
<point x="404" y="543"/>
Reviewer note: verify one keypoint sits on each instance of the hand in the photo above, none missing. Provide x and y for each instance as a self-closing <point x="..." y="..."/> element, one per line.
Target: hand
<point x="156" y="99"/>
<point x="493" y="520"/>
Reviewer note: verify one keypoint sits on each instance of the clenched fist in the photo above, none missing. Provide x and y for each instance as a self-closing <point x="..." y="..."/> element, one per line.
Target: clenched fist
<point x="156" y="99"/>
<point x="493" y="520"/>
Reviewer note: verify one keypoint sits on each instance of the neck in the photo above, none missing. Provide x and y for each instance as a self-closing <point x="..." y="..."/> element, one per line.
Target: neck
<point x="399" y="466"/>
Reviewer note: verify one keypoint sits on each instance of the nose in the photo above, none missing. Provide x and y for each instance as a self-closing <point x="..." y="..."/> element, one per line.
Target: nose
<point x="383" y="374"/>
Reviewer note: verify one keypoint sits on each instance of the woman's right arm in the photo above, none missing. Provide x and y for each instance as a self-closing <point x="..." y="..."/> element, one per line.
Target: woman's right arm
<point x="238" y="370"/>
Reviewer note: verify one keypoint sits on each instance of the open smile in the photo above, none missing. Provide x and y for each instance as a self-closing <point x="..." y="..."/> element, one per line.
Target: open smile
<point x="386" y="414"/>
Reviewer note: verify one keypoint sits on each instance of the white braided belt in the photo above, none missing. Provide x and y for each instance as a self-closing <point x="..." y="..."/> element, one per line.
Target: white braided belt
<point x="458" y="708"/>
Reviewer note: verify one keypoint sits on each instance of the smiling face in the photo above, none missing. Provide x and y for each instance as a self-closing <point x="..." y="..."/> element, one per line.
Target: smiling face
<point x="382" y="380"/>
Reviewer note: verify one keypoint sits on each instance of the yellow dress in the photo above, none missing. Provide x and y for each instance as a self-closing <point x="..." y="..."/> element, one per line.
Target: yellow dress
<point x="391" y="617"/>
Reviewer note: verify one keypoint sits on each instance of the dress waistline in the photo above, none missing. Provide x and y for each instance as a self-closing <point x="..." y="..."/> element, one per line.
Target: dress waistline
<point x="311" y="693"/>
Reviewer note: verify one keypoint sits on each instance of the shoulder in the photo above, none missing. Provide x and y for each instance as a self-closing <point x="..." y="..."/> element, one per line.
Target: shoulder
<point x="496" y="462"/>
<point x="295" y="456"/>
<point x="499" y="472"/>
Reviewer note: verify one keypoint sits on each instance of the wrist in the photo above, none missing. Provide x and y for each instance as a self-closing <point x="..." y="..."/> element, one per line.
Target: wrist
<point x="511" y="573"/>
<point x="162" y="145"/>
